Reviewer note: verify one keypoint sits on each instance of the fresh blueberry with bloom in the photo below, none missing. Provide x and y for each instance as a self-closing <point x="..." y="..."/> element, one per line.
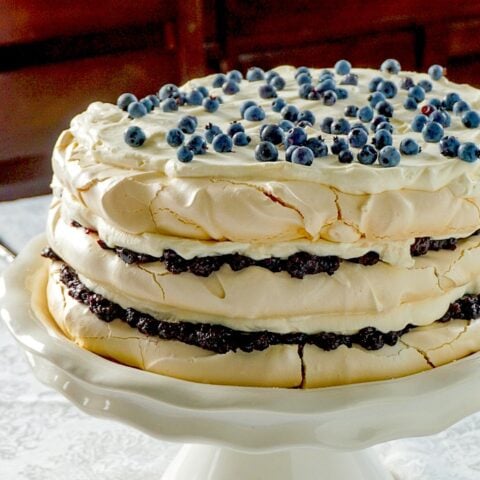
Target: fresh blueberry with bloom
<point x="169" y="105"/>
<point x="339" y="144"/>
<point x="357" y="138"/>
<point x="450" y="100"/>
<point x="305" y="90"/>
<point x="408" y="146"/>
<point x="326" y="125"/>
<point x="417" y="93"/>
<point x="426" y="85"/>
<point x="384" y="108"/>
<point x="235" y="75"/>
<point x="195" y="97"/>
<point x="240" y="139"/>
<point x="154" y="99"/>
<point x="471" y="119"/>
<point x="148" y="104"/>
<point x="440" y="116"/>
<point x="230" y="87"/>
<point x="373" y="84"/>
<point x="289" y="152"/>
<point x="318" y="146"/>
<point x="391" y="65"/>
<point x="197" y="144"/>
<point x="235" y="127"/>
<point x="342" y="67"/>
<point x="367" y="155"/>
<point x="286" y="125"/>
<point x="468" y="152"/>
<point x="377" y="121"/>
<point x="386" y="126"/>
<point x="167" y="90"/>
<point x="306" y="115"/>
<point x="389" y="156"/>
<point x="175" y="137"/>
<point x="219" y="80"/>
<point x="134" y="136"/>
<point x="302" y="156"/>
<point x="304" y="79"/>
<point x="418" y="122"/>
<point x="211" y="131"/>
<point x="340" y="126"/>
<point x="125" y="99"/>
<point x="407" y="83"/>
<point x="410" y="104"/>
<point x="255" y="74"/>
<point x="184" y="154"/>
<point x="345" y="156"/>
<point x="266" y="152"/>
<point x="365" y="114"/>
<point x="222" y="143"/>
<point x="245" y="105"/>
<point x="449" y="146"/>
<point x="388" y="88"/>
<point x="376" y="97"/>
<point x="350" y="79"/>
<point x="290" y="112"/>
<point x="272" y="133"/>
<point x="136" y="110"/>
<point x="187" y="124"/>
<point x="351" y="111"/>
<point x="278" y="104"/>
<point x="296" y="136"/>
<point x="210" y="104"/>
<point x="278" y="82"/>
<point x="301" y="70"/>
<point x="359" y="125"/>
<point x="435" y="72"/>
<point x="435" y="102"/>
<point x="342" y="93"/>
<point x="203" y="90"/>
<point x="326" y="84"/>
<point x="267" y="91"/>
<point x="270" y="74"/>
<point x="382" y="138"/>
<point x="460" y="107"/>
<point x="329" y="98"/>
<point x="254" y="114"/>
<point x="432" y="132"/>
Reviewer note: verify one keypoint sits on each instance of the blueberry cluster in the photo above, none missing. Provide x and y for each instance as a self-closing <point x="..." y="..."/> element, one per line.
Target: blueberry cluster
<point x="221" y="339"/>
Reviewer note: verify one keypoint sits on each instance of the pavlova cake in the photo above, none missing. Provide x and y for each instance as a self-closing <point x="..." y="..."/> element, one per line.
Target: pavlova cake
<point x="298" y="227"/>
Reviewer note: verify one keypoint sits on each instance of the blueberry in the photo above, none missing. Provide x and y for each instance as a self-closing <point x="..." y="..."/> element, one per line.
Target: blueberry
<point x="278" y="104"/>
<point x="305" y="90"/>
<point x="388" y="88"/>
<point x="373" y="84"/>
<point x="432" y="132"/>
<point x="210" y="104"/>
<point x="254" y="114"/>
<point x="203" y="90"/>
<point x="468" y="152"/>
<point x="450" y="100"/>
<point x="286" y="125"/>
<point x="195" y="97"/>
<point x="340" y="126"/>
<point x="218" y="80"/>
<point x="296" y="136"/>
<point x="460" y="107"/>
<point x="384" y="108"/>
<point x="306" y="115"/>
<point x="289" y="152"/>
<point x="318" y="146"/>
<point x="449" y="146"/>
<point x="407" y="83"/>
<point x="245" y="105"/>
<point x="357" y="138"/>
<point x="426" y="85"/>
<point x="350" y="111"/>
<point x="222" y="143"/>
<point x="240" y="139"/>
<point x="342" y="93"/>
<point x="365" y="114"/>
<point x="435" y="102"/>
<point x="254" y="74"/>
<point x="410" y="104"/>
<point x="367" y="155"/>
<point x="230" y="87"/>
<point x="418" y="122"/>
<point x="327" y="84"/>
<point x="435" y="72"/>
<point x="302" y="156"/>
<point x="175" y="137"/>
<point x="389" y="156"/>
<point x="391" y="66"/>
<point x="342" y="67"/>
<point x="270" y="74"/>
<point x="267" y="91"/>
<point x="169" y="105"/>
<point x="345" y="156"/>
<point x="181" y="98"/>
<point x="377" y="121"/>
<point x="441" y="117"/>
<point x="211" y="131"/>
<point x="359" y="125"/>
<point x="278" y="82"/>
<point x="125" y="99"/>
<point x="382" y="138"/>
<point x="408" y="146"/>
<point x="266" y="152"/>
<point x="326" y="125"/>
<point x="197" y="144"/>
<point x="350" y="79"/>
<point x="134" y="136"/>
<point x="187" y="124"/>
<point x="417" y="93"/>
<point x="339" y="145"/>
<point x="304" y="79"/>
<point x="184" y="154"/>
<point x="167" y="90"/>
<point x="136" y="110"/>
<point x="272" y="133"/>
<point x="234" y="75"/>
<point x="375" y="98"/>
<point x="329" y="98"/>
<point x="148" y="104"/>
<point x="290" y="112"/>
<point x="471" y="119"/>
<point x="301" y="70"/>
<point x="385" y="126"/>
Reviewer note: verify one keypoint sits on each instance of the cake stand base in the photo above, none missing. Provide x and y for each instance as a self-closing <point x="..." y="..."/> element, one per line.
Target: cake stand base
<point x="204" y="462"/>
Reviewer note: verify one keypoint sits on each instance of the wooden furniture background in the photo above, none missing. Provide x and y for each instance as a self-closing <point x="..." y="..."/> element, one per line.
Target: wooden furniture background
<point x="58" y="56"/>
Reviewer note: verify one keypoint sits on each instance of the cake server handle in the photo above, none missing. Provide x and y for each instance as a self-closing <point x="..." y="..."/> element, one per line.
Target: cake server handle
<point x="6" y="254"/>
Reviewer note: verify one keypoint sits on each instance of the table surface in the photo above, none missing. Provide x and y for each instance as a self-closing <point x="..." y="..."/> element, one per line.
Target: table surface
<point x="44" y="437"/>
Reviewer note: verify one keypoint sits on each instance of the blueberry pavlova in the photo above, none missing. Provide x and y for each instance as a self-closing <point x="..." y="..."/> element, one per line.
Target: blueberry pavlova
<point x="299" y="227"/>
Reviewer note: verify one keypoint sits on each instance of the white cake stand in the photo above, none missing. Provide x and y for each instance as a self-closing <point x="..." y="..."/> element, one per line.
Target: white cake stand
<point x="249" y="433"/>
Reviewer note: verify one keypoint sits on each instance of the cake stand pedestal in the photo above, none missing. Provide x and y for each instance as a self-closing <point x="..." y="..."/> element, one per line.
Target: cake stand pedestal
<point x="251" y="433"/>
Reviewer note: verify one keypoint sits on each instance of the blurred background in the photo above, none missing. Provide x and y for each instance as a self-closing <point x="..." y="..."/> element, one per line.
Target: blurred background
<point x="57" y="56"/>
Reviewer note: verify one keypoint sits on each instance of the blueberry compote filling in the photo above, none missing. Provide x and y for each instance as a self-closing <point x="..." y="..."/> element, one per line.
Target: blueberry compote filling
<point x="221" y="339"/>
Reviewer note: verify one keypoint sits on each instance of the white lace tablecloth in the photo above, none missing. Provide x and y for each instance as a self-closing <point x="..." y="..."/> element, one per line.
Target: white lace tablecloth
<point x="44" y="437"/>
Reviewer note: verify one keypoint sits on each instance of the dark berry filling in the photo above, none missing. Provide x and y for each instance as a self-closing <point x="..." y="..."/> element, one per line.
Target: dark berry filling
<point x="221" y="339"/>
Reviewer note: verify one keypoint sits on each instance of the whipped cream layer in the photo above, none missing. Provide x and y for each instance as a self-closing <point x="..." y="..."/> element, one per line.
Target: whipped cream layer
<point x="384" y="296"/>
<point x="233" y="197"/>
